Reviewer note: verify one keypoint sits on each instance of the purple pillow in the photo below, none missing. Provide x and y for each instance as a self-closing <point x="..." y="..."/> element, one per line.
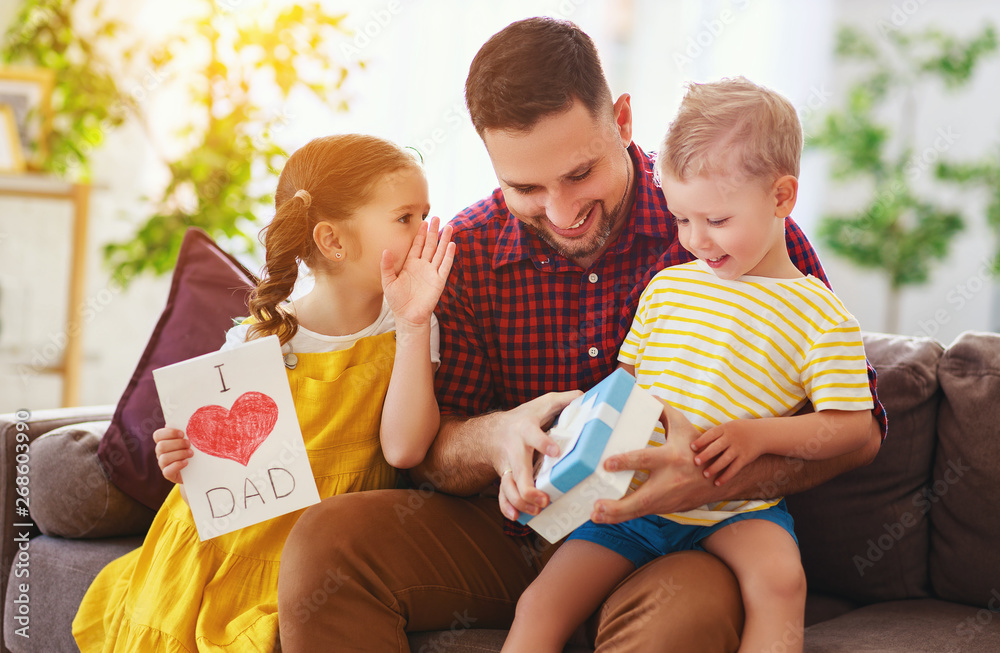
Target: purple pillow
<point x="208" y="290"/>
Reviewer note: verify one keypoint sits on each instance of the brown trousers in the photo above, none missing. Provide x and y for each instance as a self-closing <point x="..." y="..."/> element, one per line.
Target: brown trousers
<point x="360" y="570"/>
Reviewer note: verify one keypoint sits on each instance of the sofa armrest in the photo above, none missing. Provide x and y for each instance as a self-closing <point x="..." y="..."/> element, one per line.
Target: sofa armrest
<point x="17" y="430"/>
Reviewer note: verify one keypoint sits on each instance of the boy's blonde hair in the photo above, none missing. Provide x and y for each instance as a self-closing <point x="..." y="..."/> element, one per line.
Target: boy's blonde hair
<point x="732" y="127"/>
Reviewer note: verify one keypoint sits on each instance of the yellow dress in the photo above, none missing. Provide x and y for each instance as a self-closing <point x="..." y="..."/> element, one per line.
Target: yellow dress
<point x="175" y="593"/>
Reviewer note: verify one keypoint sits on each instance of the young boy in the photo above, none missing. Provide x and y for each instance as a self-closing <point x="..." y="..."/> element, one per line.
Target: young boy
<point x="733" y="340"/>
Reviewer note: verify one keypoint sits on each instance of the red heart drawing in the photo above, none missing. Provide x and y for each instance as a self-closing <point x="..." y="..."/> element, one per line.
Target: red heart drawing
<point x="235" y="433"/>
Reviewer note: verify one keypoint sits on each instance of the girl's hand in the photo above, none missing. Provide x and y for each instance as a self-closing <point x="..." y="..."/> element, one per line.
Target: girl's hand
<point x="172" y="453"/>
<point x="730" y="447"/>
<point x="414" y="292"/>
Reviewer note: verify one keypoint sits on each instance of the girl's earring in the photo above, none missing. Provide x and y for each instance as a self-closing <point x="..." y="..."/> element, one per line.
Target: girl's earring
<point x="338" y="255"/>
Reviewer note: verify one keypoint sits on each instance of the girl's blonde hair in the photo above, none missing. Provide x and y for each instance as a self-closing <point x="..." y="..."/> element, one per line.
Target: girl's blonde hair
<point x="732" y="126"/>
<point x="329" y="178"/>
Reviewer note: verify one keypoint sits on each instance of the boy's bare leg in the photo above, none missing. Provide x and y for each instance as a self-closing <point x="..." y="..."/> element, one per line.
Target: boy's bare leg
<point x="571" y="586"/>
<point x="767" y="564"/>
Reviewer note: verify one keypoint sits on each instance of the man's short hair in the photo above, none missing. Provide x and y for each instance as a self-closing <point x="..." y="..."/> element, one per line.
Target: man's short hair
<point x="732" y="126"/>
<point x="531" y="69"/>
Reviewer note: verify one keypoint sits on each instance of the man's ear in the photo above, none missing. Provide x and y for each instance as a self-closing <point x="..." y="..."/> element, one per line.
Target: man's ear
<point x="622" y="112"/>
<point x="329" y="241"/>
<point x="786" y="190"/>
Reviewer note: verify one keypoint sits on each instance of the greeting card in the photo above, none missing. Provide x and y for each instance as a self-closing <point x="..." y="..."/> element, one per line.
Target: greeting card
<point x="250" y="462"/>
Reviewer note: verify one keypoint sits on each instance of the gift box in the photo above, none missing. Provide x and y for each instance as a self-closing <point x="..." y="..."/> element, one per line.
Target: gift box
<point x="614" y="416"/>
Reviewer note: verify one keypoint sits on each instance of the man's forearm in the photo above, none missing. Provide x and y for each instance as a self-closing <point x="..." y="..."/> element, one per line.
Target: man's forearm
<point x="774" y="476"/>
<point x="458" y="461"/>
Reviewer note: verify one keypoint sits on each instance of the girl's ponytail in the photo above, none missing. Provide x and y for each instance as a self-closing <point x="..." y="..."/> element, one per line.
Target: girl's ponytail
<point x="287" y="240"/>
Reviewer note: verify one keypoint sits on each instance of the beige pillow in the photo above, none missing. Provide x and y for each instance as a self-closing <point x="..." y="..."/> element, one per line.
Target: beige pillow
<point x="71" y="495"/>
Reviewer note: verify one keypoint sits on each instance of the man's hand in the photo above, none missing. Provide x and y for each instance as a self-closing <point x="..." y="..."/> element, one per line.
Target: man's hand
<point x="726" y="449"/>
<point x="519" y="434"/>
<point x="675" y="483"/>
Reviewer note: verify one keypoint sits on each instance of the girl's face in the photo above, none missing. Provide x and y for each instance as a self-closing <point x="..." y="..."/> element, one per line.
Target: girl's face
<point x="389" y="221"/>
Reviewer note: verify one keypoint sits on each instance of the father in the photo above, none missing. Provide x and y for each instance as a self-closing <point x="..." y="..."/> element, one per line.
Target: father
<point x="545" y="283"/>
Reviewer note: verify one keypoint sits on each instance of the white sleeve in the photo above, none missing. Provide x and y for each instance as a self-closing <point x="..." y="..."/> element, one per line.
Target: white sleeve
<point x="235" y="336"/>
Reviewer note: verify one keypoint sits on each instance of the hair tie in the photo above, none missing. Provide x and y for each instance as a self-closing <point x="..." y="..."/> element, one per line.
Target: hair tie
<point x="306" y="197"/>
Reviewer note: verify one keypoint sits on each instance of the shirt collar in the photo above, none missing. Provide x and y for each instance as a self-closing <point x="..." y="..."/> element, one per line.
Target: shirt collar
<point x="648" y="217"/>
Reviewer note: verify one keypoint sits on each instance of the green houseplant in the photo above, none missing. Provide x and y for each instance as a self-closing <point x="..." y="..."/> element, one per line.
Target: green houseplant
<point x="241" y="70"/>
<point x="900" y="230"/>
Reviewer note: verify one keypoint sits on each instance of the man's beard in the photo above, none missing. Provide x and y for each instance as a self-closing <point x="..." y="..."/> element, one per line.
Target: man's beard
<point x="608" y="221"/>
<point x="573" y="250"/>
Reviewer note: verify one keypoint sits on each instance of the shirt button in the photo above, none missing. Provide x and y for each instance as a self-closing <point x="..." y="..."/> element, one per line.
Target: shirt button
<point x="593" y="352"/>
<point x="593" y="277"/>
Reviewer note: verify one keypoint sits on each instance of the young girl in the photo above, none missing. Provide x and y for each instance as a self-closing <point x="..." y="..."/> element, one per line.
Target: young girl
<point x="360" y="350"/>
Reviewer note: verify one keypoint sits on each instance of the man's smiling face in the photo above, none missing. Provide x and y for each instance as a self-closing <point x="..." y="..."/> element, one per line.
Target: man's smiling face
<point x="568" y="178"/>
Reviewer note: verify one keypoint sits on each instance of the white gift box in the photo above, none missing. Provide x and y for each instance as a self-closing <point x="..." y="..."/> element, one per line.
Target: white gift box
<point x="613" y="417"/>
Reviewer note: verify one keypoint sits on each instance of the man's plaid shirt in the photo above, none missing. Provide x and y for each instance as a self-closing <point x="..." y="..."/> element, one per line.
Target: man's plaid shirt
<point x="518" y="320"/>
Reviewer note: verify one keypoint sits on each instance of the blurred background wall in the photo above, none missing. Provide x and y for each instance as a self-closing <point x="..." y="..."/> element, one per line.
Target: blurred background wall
<point x="416" y="56"/>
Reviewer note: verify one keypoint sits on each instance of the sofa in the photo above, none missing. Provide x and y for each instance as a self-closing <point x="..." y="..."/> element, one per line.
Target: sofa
<point x="900" y="555"/>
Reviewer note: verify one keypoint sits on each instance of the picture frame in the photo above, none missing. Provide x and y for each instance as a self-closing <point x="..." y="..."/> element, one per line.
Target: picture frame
<point x="28" y="94"/>
<point x="11" y="151"/>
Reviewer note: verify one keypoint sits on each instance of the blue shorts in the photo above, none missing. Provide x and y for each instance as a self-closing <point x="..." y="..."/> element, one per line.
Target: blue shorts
<point x="647" y="538"/>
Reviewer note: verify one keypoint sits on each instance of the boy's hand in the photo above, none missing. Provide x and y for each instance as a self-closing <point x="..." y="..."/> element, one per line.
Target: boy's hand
<point x="728" y="447"/>
<point x="172" y="453"/>
<point x="414" y="292"/>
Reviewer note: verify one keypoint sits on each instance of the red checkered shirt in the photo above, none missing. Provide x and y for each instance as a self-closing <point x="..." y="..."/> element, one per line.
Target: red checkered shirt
<point x="519" y="320"/>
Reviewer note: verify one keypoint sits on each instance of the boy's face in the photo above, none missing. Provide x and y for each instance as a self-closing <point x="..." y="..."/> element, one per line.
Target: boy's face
<point x="568" y="178"/>
<point x="735" y="225"/>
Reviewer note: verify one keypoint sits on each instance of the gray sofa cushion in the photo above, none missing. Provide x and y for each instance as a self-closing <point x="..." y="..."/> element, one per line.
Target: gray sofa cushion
<point x="964" y="497"/>
<point x="918" y="626"/>
<point x="71" y="495"/>
<point x="864" y="535"/>
<point x="61" y="572"/>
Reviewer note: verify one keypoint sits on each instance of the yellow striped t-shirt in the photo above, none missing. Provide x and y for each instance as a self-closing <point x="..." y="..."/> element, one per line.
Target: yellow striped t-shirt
<point x="722" y="350"/>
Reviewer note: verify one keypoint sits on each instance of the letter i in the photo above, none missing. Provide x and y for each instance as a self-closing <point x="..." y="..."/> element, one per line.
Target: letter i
<point x="221" y="378"/>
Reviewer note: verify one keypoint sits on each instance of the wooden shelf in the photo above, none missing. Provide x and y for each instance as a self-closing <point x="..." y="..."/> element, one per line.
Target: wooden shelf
<point x="45" y="187"/>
